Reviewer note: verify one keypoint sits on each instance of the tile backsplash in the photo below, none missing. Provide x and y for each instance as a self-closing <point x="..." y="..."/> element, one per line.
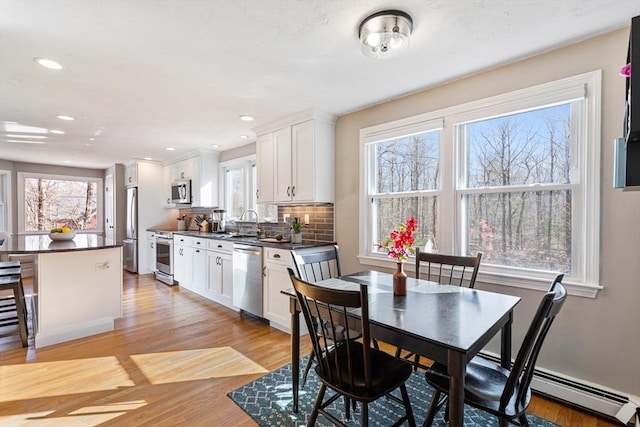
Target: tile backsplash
<point x="320" y="226"/>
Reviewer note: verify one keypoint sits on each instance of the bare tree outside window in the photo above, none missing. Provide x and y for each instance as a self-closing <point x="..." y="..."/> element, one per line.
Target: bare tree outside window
<point x="512" y="222"/>
<point x="51" y="203"/>
<point x="406" y="184"/>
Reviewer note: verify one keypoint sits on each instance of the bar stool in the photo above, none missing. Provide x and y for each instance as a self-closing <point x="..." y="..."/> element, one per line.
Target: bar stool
<point x="14" y="305"/>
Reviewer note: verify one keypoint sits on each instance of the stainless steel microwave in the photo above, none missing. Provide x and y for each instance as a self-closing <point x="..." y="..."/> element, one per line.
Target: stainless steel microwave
<point x="181" y="192"/>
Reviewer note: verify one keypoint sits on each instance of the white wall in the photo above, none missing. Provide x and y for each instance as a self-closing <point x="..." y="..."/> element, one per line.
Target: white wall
<point x="597" y="340"/>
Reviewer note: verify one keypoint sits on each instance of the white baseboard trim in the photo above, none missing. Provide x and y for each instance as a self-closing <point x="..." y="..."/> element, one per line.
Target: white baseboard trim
<point x="590" y="396"/>
<point x="58" y="335"/>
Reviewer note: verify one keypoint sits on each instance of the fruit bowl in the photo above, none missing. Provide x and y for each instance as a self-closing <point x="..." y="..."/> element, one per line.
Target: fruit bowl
<point x="62" y="236"/>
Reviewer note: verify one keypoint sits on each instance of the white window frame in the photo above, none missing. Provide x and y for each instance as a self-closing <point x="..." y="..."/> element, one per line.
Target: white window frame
<point x="22" y="176"/>
<point x="584" y="280"/>
<point x="245" y="163"/>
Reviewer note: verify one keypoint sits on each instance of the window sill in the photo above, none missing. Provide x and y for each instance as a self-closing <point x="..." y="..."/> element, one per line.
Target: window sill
<point x="489" y="275"/>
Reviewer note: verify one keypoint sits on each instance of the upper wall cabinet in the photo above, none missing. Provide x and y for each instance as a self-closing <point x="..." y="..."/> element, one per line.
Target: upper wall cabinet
<point x="296" y="162"/>
<point x="131" y="175"/>
<point x="202" y="170"/>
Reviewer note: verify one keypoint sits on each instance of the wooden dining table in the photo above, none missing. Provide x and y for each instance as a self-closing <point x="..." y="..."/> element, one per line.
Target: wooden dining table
<point x="445" y="323"/>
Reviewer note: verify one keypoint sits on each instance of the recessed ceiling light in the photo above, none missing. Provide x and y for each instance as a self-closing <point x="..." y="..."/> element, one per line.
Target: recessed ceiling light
<point x="244" y="136"/>
<point x="48" y="63"/>
<point x="25" y="141"/>
<point x="27" y="136"/>
<point x="148" y="158"/>
<point x="215" y="145"/>
<point x="171" y="149"/>
<point x="62" y="117"/>
<point x="246" y="118"/>
<point x="56" y="131"/>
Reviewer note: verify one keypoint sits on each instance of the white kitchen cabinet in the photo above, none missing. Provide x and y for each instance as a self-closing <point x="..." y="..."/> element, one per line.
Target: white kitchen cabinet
<point x="190" y="260"/>
<point x="131" y="175"/>
<point x="200" y="269"/>
<point x="150" y="252"/>
<point x="220" y="261"/>
<point x="276" y="278"/>
<point x="266" y="173"/>
<point x="167" y="180"/>
<point x="182" y="260"/>
<point x="301" y="159"/>
<point x="202" y="169"/>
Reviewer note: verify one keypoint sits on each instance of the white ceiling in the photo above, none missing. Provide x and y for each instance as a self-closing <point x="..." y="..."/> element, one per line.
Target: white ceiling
<point x="140" y="76"/>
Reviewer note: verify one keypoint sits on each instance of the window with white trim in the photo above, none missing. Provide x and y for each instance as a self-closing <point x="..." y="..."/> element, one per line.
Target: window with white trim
<point x="240" y="183"/>
<point x="515" y="176"/>
<point x="54" y="201"/>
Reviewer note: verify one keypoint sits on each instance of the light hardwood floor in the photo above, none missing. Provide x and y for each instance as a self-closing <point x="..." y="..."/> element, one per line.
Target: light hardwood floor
<point x="151" y="370"/>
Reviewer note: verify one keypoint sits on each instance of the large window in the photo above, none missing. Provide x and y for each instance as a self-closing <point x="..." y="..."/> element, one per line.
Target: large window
<point x="514" y="176"/>
<point x="57" y="201"/>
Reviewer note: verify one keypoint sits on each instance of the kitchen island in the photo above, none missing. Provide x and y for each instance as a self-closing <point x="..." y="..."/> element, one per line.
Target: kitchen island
<point x="77" y="285"/>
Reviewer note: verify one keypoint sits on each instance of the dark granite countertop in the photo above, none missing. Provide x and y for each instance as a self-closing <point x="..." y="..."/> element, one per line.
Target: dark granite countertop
<point x="41" y="243"/>
<point x="254" y="240"/>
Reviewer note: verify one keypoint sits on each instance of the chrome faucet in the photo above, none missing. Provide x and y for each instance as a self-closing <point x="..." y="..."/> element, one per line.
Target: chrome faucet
<point x="249" y="210"/>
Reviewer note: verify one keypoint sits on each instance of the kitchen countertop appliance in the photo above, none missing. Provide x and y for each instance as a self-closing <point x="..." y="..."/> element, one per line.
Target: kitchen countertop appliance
<point x="163" y="244"/>
<point x="247" y="278"/>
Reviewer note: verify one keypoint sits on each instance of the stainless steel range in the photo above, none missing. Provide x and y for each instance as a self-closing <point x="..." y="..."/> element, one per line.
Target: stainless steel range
<point x="164" y="256"/>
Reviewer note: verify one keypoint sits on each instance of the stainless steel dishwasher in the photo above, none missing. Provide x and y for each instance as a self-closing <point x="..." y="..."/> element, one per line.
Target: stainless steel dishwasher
<point x="247" y="278"/>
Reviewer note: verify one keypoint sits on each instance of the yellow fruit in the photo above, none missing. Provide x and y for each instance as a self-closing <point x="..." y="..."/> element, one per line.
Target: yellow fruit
<point x="66" y="230"/>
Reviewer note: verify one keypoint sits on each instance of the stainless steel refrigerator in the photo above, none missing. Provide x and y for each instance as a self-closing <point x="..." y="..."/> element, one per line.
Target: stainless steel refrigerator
<point x="131" y="240"/>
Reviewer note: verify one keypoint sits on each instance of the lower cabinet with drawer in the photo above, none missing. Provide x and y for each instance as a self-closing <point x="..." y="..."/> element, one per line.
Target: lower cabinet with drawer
<point x="275" y="279"/>
<point x="220" y="265"/>
<point x="190" y="263"/>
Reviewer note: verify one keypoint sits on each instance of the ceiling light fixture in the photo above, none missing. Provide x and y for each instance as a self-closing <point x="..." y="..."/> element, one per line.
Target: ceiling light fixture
<point x="385" y="34"/>
<point x="244" y="136"/>
<point x="171" y="149"/>
<point x="48" y="63"/>
<point x="63" y="117"/>
<point x="246" y="118"/>
<point x="56" y="131"/>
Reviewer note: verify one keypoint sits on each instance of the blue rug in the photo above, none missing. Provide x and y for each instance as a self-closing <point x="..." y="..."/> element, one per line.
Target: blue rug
<point x="268" y="400"/>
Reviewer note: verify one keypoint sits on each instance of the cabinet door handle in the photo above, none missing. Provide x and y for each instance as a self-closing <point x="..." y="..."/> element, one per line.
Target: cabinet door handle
<point x="276" y="256"/>
<point x="289" y="191"/>
<point x="264" y="271"/>
<point x="219" y="246"/>
<point x="197" y="250"/>
<point x="197" y="243"/>
<point x="293" y="191"/>
<point x="257" y="194"/>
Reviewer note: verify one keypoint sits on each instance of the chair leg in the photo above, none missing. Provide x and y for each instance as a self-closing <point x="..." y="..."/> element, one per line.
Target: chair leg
<point x="417" y="363"/>
<point x="523" y="420"/>
<point x="364" y="415"/>
<point x="316" y="406"/>
<point x="347" y="409"/>
<point x="433" y="409"/>
<point x="407" y="406"/>
<point x="307" y="369"/>
<point x="503" y="422"/>
<point x="398" y="351"/>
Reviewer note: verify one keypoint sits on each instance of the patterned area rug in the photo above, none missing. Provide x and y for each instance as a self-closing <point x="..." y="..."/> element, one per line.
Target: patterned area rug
<point x="268" y="400"/>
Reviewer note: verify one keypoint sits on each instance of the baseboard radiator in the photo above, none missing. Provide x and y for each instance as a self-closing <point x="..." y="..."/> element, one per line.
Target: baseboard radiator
<point x="590" y="397"/>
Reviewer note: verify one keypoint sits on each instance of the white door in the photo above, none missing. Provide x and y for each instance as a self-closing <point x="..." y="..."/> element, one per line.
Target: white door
<point x="109" y="212"/>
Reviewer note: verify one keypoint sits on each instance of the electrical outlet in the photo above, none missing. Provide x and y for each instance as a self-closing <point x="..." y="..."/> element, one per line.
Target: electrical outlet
<point x="306" y="218"/>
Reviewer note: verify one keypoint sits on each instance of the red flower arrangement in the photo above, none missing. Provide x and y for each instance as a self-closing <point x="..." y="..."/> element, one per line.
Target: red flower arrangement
<point x="399" y="244"/>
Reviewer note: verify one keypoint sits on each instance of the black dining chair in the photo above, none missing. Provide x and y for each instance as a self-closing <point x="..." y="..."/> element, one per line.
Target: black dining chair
<point x="313" y="267"/>
<point x="492" y="388"/>
<point x="444" y="269"/>
<point x="348" y="367"/>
